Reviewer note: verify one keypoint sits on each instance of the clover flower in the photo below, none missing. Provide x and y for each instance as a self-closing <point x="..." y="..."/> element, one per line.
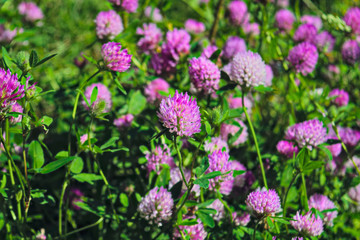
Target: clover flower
<point x="153" y="89"/>
<point x="177" y="43"/>
<point x="236" y="102"/>
<point x="18" y="109"/>
<point x="152" y="37"/>
<point x="129" y="6"/>
<point x="287" y="148"/>
<point x="194" y="26"/>
<point x="238" y="12"/>
<point x="303" y="57"/>
<point x="350" y="52"/>
<point x="204" y="74"/>
<point x="75" y="195"/>
<point x="153" y="13"/>
<point x="214" y="144"/>
<point x="220" y="211"/>
<point x="7" y="35"/>
<point x="162" y="63"/>
<point x="195" y="232"/>
<point x="156" y="206"/>
<point x="115" y="59"/>
<point x="175" y="177"/>
<point x="349" y="136"/>
<point x="30" y="11"/>
<point x="354" y="194"/>
<point x="10" y="89"/>
<point x="284" y="20"/>
<point x="321" y="203"/>
<point x="263" y="202"/>
<point x="352" y="19"/>
<point x="103" y="100"/>
<point x="232" y="130"/>
<point x="240" y="180"/>
<point x="325" y="41"/>
<point x="180" y="114"/>
<point x="209" y="50"/>
<point x="313" y="20"/>
<point x="336" y="148"/>
<point x="160" y="155"/>
<point x="108" y="25"/>
<point x="307" y="224"/>
<point x="305" y="33"/>
<point x="252" y="29"/>
<point x="310" y="133"/>
<point x="124" y="121"/>
<point x="233" y="46"/>
<point x="241" y="220"/>
<point x="269" y="76"/>
<point x="342" y="97"/>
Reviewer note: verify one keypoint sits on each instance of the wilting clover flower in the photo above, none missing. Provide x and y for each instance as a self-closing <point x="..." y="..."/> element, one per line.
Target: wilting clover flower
<point x="321" y="203"/>
<point x="342" y="97"/>
<point x="313" y="20"/>
<point x="156" y="206"/>
<point x="180" y="114"/>
<point x="350" y="52"/>
<point x="307" y="224"/>
<point x="352" y="19"/>
<point x="177" y="43"/>
<point x="18" y="109"/>
<point x="160" y="155"/>
<point x="152" y="37"/>
<point x="153" y="89"/>
<point x="194" y="26"/>
<point x="284" y="20"/>
<point x="103" y="100"/>
<point x="238" y="13"/>
<point x="175" y="177"/>
<point x="248" y="69"/>
<point x="153" y="13"/>
<point x="10" y="89"/>
<point x="195" y="232"/>
<point x="240" y="220"/>
<point x="325" y="41"/>
<point x="108" y="25"/>
<point x="303" y="57"/>
<point x="209" y="50"/>
<point x="263" y="202"/>
<point x="220" y="211"/>
<point x="124" y="121"/>
<point x="204" y="74"/>
<point x="129" y="6"/>
<point x="219" y="161"/>
<point x="305" y="33"/>
<point x="214" y="144"/>
<point x="233" y="45"/>
<point x="115" y="59"/>
<point x="30" y="11"/>
<point x="232" y="130"/>
<point x="252" y="29"/>
<point x="287" y="148"/>
<point x="310" y="133"/>
<point x="269" y="75"/>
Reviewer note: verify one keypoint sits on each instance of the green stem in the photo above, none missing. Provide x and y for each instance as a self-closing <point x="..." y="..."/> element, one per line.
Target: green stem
<point x="256" y="225"/>
<point x="65" y="184"/>
<point x="305" y="193"/>
<point x="256" y="143"/>
<point x="228" y="209"/>
<point x="214" y="27"/>
<point x="287" y="192"/>
<point x="180" y="163"/>
<point x="82" y="229"/>
<point x="263" y="27"/>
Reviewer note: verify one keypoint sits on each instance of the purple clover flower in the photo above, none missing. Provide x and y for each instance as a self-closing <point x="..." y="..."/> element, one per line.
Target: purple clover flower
<point x="103" y="97"/>
<point x="233" y="45"/>
<point x="252" y="29"/>
<point x="342" y="97"/>
<point x="153" y="89"/>
<point x="214" y="144"/>
<point x="220" y="211"/>
<point x="284" y="20"/>
<point x="236" y="102"/>
<point x="310" y="133"/>
<point x="263" y="202"/>
<point x="321" y="203"/>
<point x="180" y="114"/>
<point x="313" y="20"/>
<point x="238" y="13"/>
<point x="350" y="52"/>
<point x="30" y="11"/>
<point x="195" y="232"/>
<point x="115" y="59"/>
<point x="248" y="69"/>
<point x="108" y="25"/>
<point x="352" y="19"/>
<point x="230" y="129"/>
<point x="325" y="41"/>
<point x="240" y="180"/>
<point x="303" y="57"/>
<point x="209" y="50"/>
<point x="175" y="177"/>
<point x="204" y="74"/>
<point x="10" y="89"/>
<point x="16" y="108"/>
<point x="7" y="35"/>
<point x="241" y="220"/>
<point x="287" y="148"/>
<point x="177" y="43"/>
<point x="129" y="6"/>
<point x="349" y="136"/>
<point x="160" y="155"/>
<point x="153" y="13"/>
<point x="354" y="194"/>
<point x="152" y="37"/>
<point x="156" y="206"/>
<point x="305" y="33"/>
<point x="269" y="76"/>
<point x="194" y="26"/>
<point x="162" y="63"/>
<point x="124" y="121"/>
<point x="307" y="224"/>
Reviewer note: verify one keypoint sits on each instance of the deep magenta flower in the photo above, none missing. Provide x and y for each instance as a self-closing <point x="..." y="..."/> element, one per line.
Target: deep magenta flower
<point x="214" y="144"/>
<point x="336" y="148"/>
<point x="194" y="26"/>
<point x="195" y="232"/>
<point x="156" y="206"/>
<point x="75" y="195"/>
<point x="103" y="100"/>
<point x="163" y="63"/>
<point x="231" y="129"/>
<point x="284" y="20"/>
<point x="233" y="45"/>
<point x="30" y="11"/>
<point x="305" y="33"/>
<point x="287" y="148"/>
<point x="18" y="109"/>
<point x="10" y="89"/>
<point x="321" y="203"/>
<point x="177" y="43"/>
<point x="124" y="121"/>
<point x="238" y="12"/>
<point x="151" y="37"/>
<point x="204" y="74"/>
<point x="342" y="97"/>
<point x="108" y="25"/>
<point x="313" y="20"/>
<point x="115" y="59"/>
<point x="350" y="52"/>
<point x="352" y="19"/>
<point x="129" y="6"/>
<point x="160" y="155"/>
<point x="303" y="57"/>
<point x="263" y="202"/>
<point x="241" y="220"/>
<point x="307" y="224"/>
<point x="180" y="114"/>
<point x="325" y="41"/>
<point x="153" y="89"/>
<point x="248" y="69"/>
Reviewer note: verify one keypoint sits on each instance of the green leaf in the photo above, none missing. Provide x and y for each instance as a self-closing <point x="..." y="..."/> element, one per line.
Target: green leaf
<point x="204" y="183"/>
<point x="109" y="143"/>
<point x="164" y="176"/>
<point x="327" y="151"/>
<point x="208" y="127"/>
<point x="188" y="222"/>
<point x="204" y="165"/>
<point x="77" y="165"/>
<point x="207" y="210"/>
<point x="225" y="76"/>
<point x="124" y="199"/>
<point x="263" y="89"/>
<point x="212" y="175"/>
<point x="33" y="59"/>
<point x="137" y="103"/>
<point x="45" y="120"/>
<point x="94" y="95"/>
<point x="313" y="165"/>
<point x="238" y="172"/>
<point x="55" y="165"/>
<point x="270" y="222"/>
<point x="36" y="153"/>
<point x="6" y="58"/>
<point x="214" y="57"/>
<point x="303" y="157"/>
<point x="120" y="87"/>
<point x="62" y="154"/>
<point x="90" y="59"/>
<point x="45" y="59"/>
<point x="282" y="220"/>
<point x="87" y="177"/>
<point x="355" y="181"/>
<point x="144" y="149"/>
<point x="206" y="219"/>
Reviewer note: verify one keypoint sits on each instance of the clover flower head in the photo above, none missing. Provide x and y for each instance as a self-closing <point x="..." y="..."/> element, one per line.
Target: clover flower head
<point x="18" y="109"/>
<point x="313" y="20"/>
<point x="342" y="97"/>
<point x="220" y="210"/>
<point x="232" y="130"/>
<point x="241" y="220"/>
<point x="153" y="89"/>
<point x="160" y="155"/>
<point x="350" y="52"/>
<point x="325" y="41"/>
<point x="108" y="25"/>
<point x="321" y="203"/>
<point x="263" y="202"/>
<point x="195" y="232"/>
<point x="153" y="13"/>
<point x="151" y="37"/>
<point x="352" y="19"/>
<point x="233" y="45"/>
<point x="177" y="43"/>
<point x="30" y="11"/>
<point x="303" y="57"/>
<point x="103" y="100"/>
<point x="115" y="59"/>
<point x="287" y="148"/>
<point x="238" y="12"/>
<point x="194" y="26"/>
<point x="284" y="20"/>
<point x="214" y="144"/>
<point x="305" y="33"/>
<point x="204" y="74"/>
<point x="307" y="224"/>
<point x="124" y="121"/>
